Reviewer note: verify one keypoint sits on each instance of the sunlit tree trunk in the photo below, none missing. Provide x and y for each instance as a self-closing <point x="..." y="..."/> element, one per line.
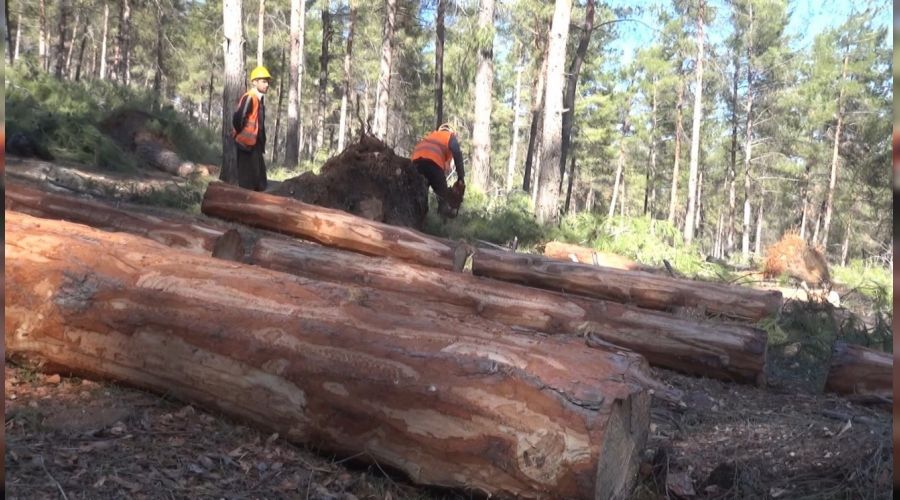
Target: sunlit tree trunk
<point x="679" y="133"/>
<point x="18" y="39"/>
<point x="759" y="230"/>
<point x="572" y="81"/>
<point x="514" y="145"/>
<point x="260" y="31"/>
<point x="232" y="47"/>
<point x="382" y="103"/>
<point x="649" y="188"/>
<point x="484" y="84"/>
<point x="439" y="64"/>
<point x="42" y="35"/>
<point x="103" y="43"/>
<point x="620" y="168"/>
<point x="695" y="131"/>
<point x="537" y="110"/>
<point x="732" y="170"/>
<point x="547" y="206"/>
<point x="278" y="114"/>
<point x="835" y="159"/>
<point x="323" y="75"/>
<point x="292" y="137"/>
<point x="346" y="90"/>
<point x="748" y="144"/>
<point x="67" y="71"/>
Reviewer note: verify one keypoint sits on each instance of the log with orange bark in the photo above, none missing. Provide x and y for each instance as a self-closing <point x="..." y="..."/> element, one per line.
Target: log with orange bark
<point x="861" y="373"/>
<point x="455" y="403"/>
<point x="342" y="230"/>
<point x="575" y="253"/>
<point x="727" y="351"/>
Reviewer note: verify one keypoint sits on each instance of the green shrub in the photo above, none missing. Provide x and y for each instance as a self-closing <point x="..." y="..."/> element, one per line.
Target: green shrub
<point x="497" y="220"/>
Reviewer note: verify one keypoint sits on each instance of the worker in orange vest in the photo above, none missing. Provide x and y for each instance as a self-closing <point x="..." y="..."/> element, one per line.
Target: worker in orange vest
<point x="249" y="122"/>
<point x="432" y="157"/>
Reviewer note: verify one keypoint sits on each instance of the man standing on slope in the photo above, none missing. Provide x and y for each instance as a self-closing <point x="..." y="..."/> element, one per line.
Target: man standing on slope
<point x="249" y="122"/>
<point x="432" y="157"/>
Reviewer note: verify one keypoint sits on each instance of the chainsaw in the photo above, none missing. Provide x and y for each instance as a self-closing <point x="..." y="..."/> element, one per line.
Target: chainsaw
<point x="455" y="199"/>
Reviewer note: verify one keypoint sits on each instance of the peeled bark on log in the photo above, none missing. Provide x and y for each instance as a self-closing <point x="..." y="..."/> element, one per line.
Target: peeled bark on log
<point x="631" y="287"/>
<point x="726" y="351"/>
<point x="460" y="404"/>
<point x="861" y="373"/>
<point x="325" y="225"/>
<point x="574" y="253"/>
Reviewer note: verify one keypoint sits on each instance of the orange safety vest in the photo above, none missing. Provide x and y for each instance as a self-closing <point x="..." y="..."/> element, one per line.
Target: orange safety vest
<point x="435" y="147"/>
<point x="247" y="136"/>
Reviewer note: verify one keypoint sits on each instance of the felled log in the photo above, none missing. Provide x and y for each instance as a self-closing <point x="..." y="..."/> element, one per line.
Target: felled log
<point x="727" y="351"/>
<point x="162" y="158"/>
<point x="575" y="253"/>
<point x="325" y="225"/>
<point x="861" y="373"/>
<point x="183" y="233"/>
<point x="460" y="404"/>
<point x="631" y="287"/>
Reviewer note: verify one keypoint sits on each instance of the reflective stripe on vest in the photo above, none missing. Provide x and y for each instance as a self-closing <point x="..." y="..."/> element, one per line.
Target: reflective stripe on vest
<point x="247" y="135"/>
<point x="435" y="147"/>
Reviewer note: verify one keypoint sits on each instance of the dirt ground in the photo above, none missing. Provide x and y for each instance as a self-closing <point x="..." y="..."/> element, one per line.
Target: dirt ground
<point x="81" y="439"/>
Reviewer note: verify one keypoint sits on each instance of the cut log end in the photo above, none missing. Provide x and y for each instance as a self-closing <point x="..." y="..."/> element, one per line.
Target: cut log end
<point x="625" y="436"/>
<point x="229" y="246"/>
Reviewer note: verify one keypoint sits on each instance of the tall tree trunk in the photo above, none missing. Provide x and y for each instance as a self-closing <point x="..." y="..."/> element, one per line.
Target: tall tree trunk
<point x="42" y="35"/>
<point x="695" y="131"/>
<point x="537" y="111"/>
<point x="292" y="137"/>
<point x="484" y="85"/>
<point x="547" y="205"/>
<point x="160" y="33"/>
<point x="126" y="42"/>
<point x="382" y="102"/>
<point x="514" y="145"/>
<point x="759" y="230"/>
<point x="278" y="114"/>
<point x="821" y="211"/>
<point x="732" y="170"/>
<point x="845" y="248"/>
<point x="568" y="117"/>
<point x="9" y="50"/>
<point x="620" y="168"/>
<point x="260" y="31"/>
<point x="699" y="210"/>
<point x="589" y="199"/>
<point x="209" y="93"/>
<point x="679" y="133"/>
<point x="835" y="158"/>
<point x="103" y="43"/>
<point x="323" y="75"/>
<point x="807" y="191"/>
<point x="81" y="56"/>
<point x="439" y="64"/>
<point x="18" y="39"/>
<point x="571" y="181"/>
<point x="232" y="47"/>
<point x="748" y="144"/>
<point x="342" y="127"/>
<point x="61" y="44"/>
<point x="67" y="71"/>
<point x="649" y="189"/>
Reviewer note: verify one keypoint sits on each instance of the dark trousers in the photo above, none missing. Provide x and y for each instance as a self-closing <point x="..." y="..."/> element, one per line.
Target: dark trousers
<point x="436" y="178"/>
<point x="251" y="169"/>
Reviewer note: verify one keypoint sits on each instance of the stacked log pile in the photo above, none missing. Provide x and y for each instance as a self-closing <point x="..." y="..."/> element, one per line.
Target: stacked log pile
<point x="526" y="377"/>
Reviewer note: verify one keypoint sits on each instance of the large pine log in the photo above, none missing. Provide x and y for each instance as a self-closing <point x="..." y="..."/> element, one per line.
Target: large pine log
<point x="631" y="287"/>
<point x="726" y="351"/>
<point x="462" y="404"/>
<point x="325" y="225"/>
<point x="862" y="373"/>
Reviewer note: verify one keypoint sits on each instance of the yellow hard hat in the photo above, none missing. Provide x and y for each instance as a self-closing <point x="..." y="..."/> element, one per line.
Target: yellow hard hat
<point x="447" y="127"/>
<point x="260" y="72"/>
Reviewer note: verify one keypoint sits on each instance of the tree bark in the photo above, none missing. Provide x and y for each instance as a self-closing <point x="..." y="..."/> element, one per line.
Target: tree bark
<point x="620" y="166"/>
<point x="537" y="111"/>
<point x="514" y="144"/>
<point x="695" y="131"/>
<point x="292" y="137"/>
<point x="748" y="144"/>
<point x="43" y="48"/>
<point x="15" y="54"/>
<point x="633" y="287"/>
<point x="348" y="365"/>
<point x="547" y="206"/>
<point x="345" y="98"/>
<point x="759" y="228"/>
<point x="679" y="133"/>
<point x="835" y="159"/>
<point x="845" y="248"/>
<point x="327" y="226"/>
<point x="232" y="47"/>
<point x="324" y="58"/>
<point x="278" y="114"/>
<point x="160" y="33"/>
<point x="103" y="44"/>
<point x="650" y="189"/>
<point x="81" y="55"/>
<point x="568" y="117"/>
<point x="61" y="44"/>
<point x="571" y="182"/>
<point x="439" y="64"/>
<point x="862" y="373"/>
<point x="484" y="86"/>
<point x="382" y="103"/>
<point x="260" y="31"/>
<point x="67" y="70"/>
<point x="732" y="171"/>
<point x="725" y="351"/>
